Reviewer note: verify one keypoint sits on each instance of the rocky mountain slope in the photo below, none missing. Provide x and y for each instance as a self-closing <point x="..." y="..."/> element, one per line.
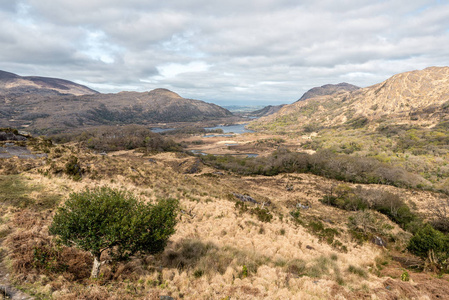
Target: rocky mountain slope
<point x="11" y="83"/>
<point x="416" y="97"/>
<point x="328" y="89"/>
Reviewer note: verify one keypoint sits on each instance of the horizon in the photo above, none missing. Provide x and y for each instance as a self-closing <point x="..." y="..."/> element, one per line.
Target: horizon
<point x="228" y="53"/>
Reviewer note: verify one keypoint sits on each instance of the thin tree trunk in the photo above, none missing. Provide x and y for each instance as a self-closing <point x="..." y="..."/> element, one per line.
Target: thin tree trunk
<point x="96" y="267"/>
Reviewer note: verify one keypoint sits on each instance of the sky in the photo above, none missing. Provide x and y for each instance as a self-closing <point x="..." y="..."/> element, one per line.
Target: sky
<point x="253" y="52"/>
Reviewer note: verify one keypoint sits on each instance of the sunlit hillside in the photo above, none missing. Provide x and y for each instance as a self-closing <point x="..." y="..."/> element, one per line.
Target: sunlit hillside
<point x="238" y="237"/>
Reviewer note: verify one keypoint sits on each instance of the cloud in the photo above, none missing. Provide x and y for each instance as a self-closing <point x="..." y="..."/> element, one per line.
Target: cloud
<point x="264" y="50"/>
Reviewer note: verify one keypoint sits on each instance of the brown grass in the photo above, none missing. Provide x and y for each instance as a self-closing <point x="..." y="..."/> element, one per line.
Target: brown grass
<point x="213" y="245"/>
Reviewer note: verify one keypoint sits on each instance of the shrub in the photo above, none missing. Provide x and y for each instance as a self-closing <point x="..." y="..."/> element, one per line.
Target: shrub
<point x="405" y="276"/>
<point x="391" y="205"/>
<point x="244" y="273"/>
<point x="296" y="216"/>
<point x="345" y="198"/>
<point x="198" y="273"/>
<point x="72" y="168"/>
<point x="107" y="219"/>
<point x="395" y="209"/>
<point x="113" y="138"/>
<point x="324" y="233"/>
<point x="323" y="163"/>
<point x="262" y="214"/>
<point x="431" y="244"/>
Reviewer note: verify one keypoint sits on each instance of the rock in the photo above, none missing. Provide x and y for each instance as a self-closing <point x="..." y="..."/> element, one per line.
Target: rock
<point x="11" y="136"/>
<point x="299" y="205"/>
<point x="245" y="198"/>
<point x="166" y="298"/>
<point x="379" y="241"/>
<point x="310" y="247"/>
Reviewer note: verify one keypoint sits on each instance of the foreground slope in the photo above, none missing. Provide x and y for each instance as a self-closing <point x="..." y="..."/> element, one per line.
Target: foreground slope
<point x="224" y="247"/>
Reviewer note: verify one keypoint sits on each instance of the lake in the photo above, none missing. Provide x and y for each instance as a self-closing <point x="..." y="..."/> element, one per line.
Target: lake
<point x="159" y="130"/>
<point x="227" y="129"/>
<point x="237" y="128"/>
<point x="196" y="151"/>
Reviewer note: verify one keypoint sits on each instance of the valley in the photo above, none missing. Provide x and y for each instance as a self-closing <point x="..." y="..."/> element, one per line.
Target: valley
<point x="325" y="198"/>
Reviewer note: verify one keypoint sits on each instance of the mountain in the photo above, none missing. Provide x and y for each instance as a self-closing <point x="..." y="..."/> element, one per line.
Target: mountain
<point x="328" y="89"/>
<point x="416" y="97"/>
<point x="11" y="83"/>
<point x="56" y="112"/>
<point x="266" y="111"/>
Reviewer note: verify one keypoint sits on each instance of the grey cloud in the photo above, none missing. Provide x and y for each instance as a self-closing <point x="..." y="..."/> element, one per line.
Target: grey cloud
<point x="265" y="49"/>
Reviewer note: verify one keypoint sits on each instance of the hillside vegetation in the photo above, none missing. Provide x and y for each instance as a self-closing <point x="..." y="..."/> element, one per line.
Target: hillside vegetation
<point x="240" y="235"/>
<point x="402" y="122"/>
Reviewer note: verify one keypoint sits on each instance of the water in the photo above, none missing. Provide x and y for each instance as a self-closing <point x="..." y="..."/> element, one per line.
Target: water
<point x="220" y="135"/>
<point x="159" y="130"/>
<point x="237" y="128"/>
<point x="197" y="151"/>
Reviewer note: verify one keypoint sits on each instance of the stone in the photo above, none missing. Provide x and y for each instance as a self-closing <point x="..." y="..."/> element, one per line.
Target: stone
<point x="379" y="241"/>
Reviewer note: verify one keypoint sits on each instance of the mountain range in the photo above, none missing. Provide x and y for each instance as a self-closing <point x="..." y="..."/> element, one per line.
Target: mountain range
<point x="49" y="105"/>
<point x="417" y="97"/>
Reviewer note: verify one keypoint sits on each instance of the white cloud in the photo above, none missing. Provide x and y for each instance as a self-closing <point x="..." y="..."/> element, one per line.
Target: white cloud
<point x="259" y="50"/>
<point x="171" y="70"/>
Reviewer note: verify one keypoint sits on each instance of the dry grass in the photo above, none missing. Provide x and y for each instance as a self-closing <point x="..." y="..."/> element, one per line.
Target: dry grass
<point x="216" y="252"/>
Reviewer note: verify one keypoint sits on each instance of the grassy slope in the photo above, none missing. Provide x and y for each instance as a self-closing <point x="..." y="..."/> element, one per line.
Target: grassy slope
<point x="218" y="250"/>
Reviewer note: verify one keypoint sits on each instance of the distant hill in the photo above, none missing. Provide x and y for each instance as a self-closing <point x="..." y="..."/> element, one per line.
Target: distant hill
<point x="417" y="97"/>
<point x="56" y="112"/>
<point x="328" y="89"/>
<point x="13" y="84"/>
<point x="266" y="111"/>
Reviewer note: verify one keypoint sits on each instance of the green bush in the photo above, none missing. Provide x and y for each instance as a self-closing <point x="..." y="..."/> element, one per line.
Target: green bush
<point x="262" y="214"/>
<point x="113" y="138"/>
<point x="72" y="168"/>
<point x="405" y="276"/>
<point x="431" y="244"/>
<point x="107" y="219"/>
<point x="324" y="233"/>
<point x="389" y="204"/>
<point x="323" y="163"/>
